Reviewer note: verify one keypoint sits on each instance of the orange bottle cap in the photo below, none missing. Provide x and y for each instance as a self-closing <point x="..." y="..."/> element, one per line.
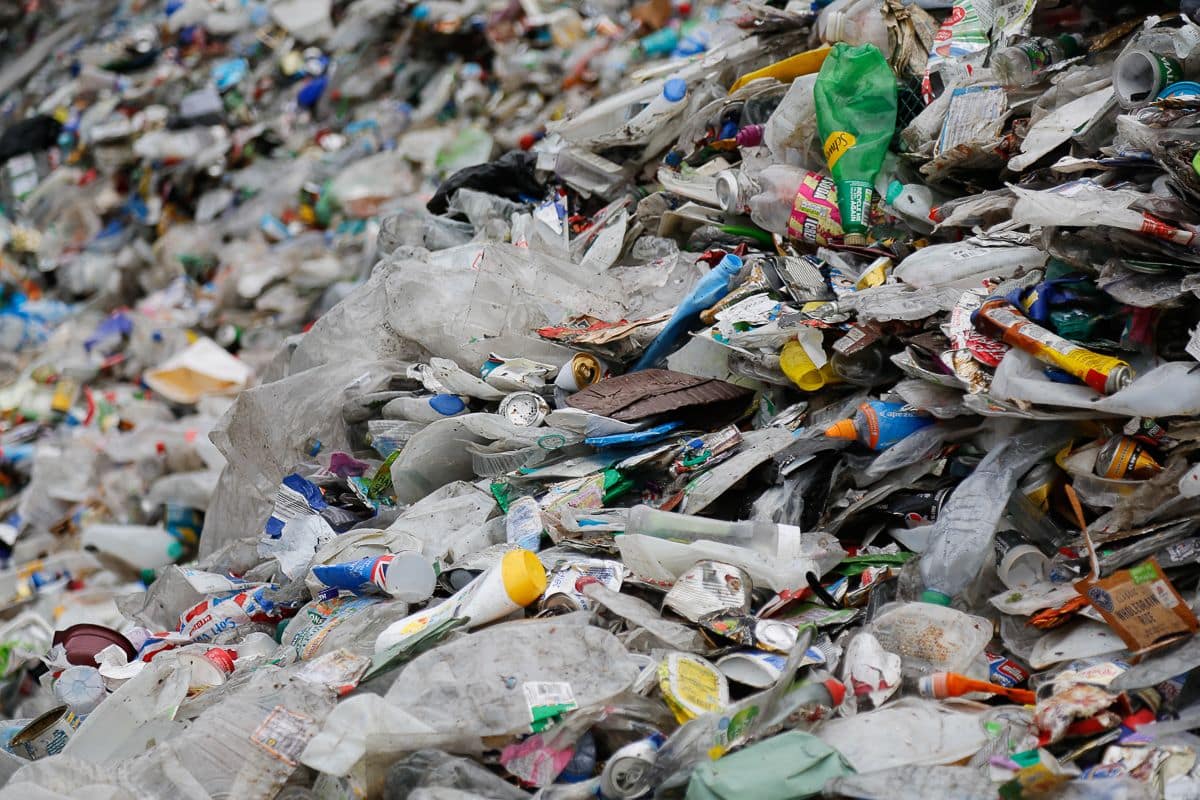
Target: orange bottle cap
<point x="842" y="429"/>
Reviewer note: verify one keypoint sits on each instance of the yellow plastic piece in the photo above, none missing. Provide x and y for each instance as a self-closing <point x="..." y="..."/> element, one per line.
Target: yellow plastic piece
<point x="800" y="369"/>
<point x="786" y="70"/>
<point x="523" y="575"/>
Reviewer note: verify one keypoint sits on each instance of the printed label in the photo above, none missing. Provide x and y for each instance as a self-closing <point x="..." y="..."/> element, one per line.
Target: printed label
<point x="815" y="217"/>
<point x="284" y="734"/>
<point x="547" y="701"/>
<point x="836" y="146"/>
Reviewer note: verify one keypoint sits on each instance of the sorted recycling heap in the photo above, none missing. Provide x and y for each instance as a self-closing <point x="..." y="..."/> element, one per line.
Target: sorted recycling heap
<point x="471" y="399"/>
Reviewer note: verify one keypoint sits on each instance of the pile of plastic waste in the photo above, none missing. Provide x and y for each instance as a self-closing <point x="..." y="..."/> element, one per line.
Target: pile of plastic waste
<point x="464" y="399"/>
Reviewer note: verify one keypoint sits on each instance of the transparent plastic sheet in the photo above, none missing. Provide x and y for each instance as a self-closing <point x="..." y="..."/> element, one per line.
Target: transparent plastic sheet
<point x="435" y="770"/>
<point x="270" y="428"/>
<point x="477" y="677"/>
<point x="962" y="536"/>
<point x="461" y="303"/>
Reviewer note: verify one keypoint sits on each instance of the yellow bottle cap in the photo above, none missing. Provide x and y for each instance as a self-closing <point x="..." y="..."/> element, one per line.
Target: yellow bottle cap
<point x="842" y="429"/>
<point x="523" y="575"/>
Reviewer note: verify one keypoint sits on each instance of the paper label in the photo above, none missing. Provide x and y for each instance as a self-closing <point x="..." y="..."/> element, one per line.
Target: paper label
<point x="1193" y="345"/>
<point x="321" y="618"/>
<point x="547" y="701"/>
<point x="692" y="686"/>
<point x="709" y="587"/>
<point x="284" y="734"/>
<point x="837" y="144"/>
<point x="815" y="216"/>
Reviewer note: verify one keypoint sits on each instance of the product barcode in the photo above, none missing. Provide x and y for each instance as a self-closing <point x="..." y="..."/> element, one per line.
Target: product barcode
<point x="290" y="504"/>
<point x="544" y="693"/>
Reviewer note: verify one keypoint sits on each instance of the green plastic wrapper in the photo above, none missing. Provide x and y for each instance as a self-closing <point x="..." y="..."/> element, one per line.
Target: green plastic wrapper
<point x="855" y="97"/>
<point x="790" y="766"/>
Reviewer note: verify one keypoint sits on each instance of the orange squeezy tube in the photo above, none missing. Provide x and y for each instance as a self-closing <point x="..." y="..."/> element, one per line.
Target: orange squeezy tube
<point x="941" y="685"/>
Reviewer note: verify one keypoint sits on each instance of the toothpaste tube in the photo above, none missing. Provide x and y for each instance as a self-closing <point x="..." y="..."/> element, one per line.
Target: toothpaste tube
<point x="236" y="613"/>
<point x="406" y="576"/>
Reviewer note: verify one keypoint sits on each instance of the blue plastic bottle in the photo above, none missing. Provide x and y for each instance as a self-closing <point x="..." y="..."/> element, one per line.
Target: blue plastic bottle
<point x="879" y="424"/>
<point x="711" y="288"/>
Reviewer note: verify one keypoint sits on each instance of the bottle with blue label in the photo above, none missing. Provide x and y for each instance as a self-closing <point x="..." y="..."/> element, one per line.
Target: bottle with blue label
<point x="879" y="424"/>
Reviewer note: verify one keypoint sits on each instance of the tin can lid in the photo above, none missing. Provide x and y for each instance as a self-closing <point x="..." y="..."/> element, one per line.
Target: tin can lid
<point x="728" y="192"/>
<point x="524" y="408"/>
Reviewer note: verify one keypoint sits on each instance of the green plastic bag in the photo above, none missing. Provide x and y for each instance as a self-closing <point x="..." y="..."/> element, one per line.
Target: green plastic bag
<point x="790" y="766"/>
<point x="855" y="97"/>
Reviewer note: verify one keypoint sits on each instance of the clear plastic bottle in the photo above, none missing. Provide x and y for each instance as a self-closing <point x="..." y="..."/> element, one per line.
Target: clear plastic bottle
<point x="854" y="22"/>
<point x="1024" y="64"/>
<point x="771" y="208"/>
<point x="963" y="534"/>
<point x="650" y="126"/>
<point x="763" y="537"/>
<point x="139" y="546"/>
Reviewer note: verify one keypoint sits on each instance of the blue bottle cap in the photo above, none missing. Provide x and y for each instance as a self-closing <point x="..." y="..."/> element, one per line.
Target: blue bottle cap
<point x="447" y="404"/>
<point x="675" y="89"/>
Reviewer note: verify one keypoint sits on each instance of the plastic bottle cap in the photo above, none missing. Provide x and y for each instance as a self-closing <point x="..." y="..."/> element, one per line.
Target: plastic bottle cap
<point x="675" y="89"/>
<point x="855" y="239"/>
<point x="174" y="550"/>
<point x="523" y="575"/>
<point x="220" y="657"/>
<point x="935" y="597"/>
<point x="837" y="691"/>
<point x="893" y="191"/>
<point x="731" y="263"/>
<point x="842" y="429"/>
<point x="447" y="404"/>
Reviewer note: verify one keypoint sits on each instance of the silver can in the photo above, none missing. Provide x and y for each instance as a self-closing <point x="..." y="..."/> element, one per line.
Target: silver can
<point x="524" y="408"/>
<point x="627" y="774"/>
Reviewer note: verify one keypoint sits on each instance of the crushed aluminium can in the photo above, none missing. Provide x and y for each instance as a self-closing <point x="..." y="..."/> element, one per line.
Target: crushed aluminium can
<point x="626" y="776"/>
<point x="1124" y="458"/>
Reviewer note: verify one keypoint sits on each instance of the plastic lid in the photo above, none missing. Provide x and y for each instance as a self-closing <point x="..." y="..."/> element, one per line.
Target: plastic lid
<point x="524" y="576"/>
<point x="675" y="89"/>
<point x="842" y="429"/>
<point x="935" y="597"/>
<point x="855" y="239"/>
<point x="837" y="691"/>
<point x="221" y="657"/>
<point x="447" y="404"/>
<point x="730" y="262"/>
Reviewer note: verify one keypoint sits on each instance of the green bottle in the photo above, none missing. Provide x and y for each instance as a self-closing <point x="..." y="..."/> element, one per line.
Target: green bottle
<point x="855" y="96"/>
